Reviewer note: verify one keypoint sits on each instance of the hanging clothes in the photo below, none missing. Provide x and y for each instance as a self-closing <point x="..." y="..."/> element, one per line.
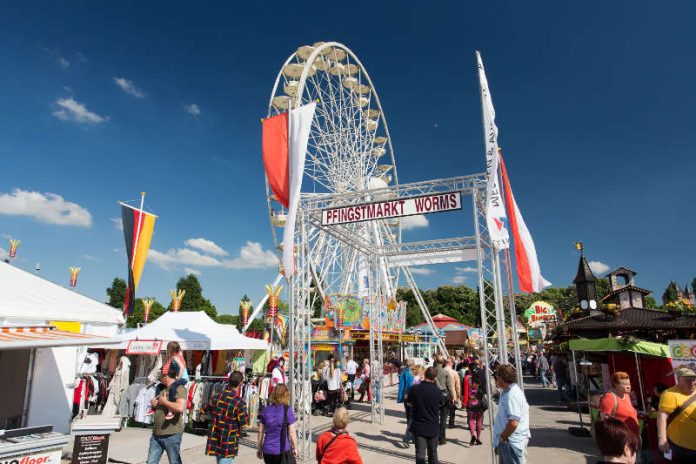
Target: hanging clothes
<point x="119" y="383"/>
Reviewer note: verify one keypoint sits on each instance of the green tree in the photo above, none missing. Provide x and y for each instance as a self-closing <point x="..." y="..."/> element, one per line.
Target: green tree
<point x="693" y="285"/>
<point x="117" y="293"/>
<point x="650" y="302"/>
<point x="194" y="300"/>
<point x="231" y="319"/>
<point x="138" y="315"/>
<point x="670" y="293"/>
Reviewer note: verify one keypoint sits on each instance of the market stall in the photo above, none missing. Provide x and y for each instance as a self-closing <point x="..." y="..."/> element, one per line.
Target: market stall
<point x="44" y="332"/>
<point x="648" y="365"/>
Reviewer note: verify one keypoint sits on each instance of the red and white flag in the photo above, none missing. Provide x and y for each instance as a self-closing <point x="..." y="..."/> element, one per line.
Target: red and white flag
<point x="285" y="139"/>
<point x="528" y="271"/>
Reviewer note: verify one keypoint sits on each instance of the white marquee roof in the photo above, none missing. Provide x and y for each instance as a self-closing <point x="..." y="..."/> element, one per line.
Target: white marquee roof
<point x="24" y="295"/>
<point x="193" y="331"/>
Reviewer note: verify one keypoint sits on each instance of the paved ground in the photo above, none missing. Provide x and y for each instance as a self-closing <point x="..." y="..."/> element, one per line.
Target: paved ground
<point x="550" y="441"/>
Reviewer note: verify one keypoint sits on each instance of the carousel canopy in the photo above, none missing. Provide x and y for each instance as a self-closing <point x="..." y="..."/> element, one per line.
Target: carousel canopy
<point x="444" y="323"/>
<point x="193" y="331"/>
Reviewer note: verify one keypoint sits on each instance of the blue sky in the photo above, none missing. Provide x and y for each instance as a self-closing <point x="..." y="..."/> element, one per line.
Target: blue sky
<point x="99" y="102"/>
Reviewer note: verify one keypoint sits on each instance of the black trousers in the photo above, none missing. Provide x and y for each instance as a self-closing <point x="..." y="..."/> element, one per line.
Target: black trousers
<point x="452" y="413"/>
<point x="426" y="445"/>
<point x="444" y="416"/>
<point x="682" y="455"/>
<point x="272" y="458"/>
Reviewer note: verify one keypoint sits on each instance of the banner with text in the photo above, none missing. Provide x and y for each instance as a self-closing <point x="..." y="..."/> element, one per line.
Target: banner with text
<point x="425" y="204"/>
<point x="144" y="347"/>
<point x="683" y="353"/>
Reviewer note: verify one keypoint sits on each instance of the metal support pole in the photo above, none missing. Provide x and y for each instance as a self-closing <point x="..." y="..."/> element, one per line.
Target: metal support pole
<point x="484" y="321"/>
<point x="28" y="387"/>
<point x="513" y="318"/>
<point x="291" y="334"/>
<point x="499" y="309"/>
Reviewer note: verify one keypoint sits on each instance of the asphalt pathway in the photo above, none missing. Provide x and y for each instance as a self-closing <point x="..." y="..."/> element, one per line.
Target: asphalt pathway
<point x="381" y="443"/>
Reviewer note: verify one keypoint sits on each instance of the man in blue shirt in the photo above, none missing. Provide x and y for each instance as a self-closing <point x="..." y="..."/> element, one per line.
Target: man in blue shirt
<point x="511" y="426"/>
<point x="405" y="383"/>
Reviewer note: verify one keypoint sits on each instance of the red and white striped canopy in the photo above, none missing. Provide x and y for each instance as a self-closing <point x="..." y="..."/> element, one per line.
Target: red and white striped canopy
<point x="44" y="336"/>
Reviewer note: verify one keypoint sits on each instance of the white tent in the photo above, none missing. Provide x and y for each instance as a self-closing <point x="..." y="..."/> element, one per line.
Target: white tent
<point x="37" y="362"/>
<point x="193" y="331"/>
<point x="28" y="297"/>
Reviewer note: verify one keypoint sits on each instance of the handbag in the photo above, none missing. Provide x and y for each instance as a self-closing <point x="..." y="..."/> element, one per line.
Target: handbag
<point x="286" y="457"/>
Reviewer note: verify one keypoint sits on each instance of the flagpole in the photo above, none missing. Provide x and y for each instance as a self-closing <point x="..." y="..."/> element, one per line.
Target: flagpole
<point x="140" y="221"/>
<point x="511" y="291"/>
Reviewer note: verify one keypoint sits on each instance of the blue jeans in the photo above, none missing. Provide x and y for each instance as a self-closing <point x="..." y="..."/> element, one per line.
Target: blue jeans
<point x="509" y="454"/>
<point x="169" y="443"/>
<point x="224" y="460"/>
<point x="544" y="380"/>
<point x="408" y="436"/>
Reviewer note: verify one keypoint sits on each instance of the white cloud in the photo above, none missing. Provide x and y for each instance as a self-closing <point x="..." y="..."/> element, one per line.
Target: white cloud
<point x="206" y="246"/>
<point x="72" y="110"/>
<point x="129" y="87"/>
<point x="253" y="256"/>
<point x="91" y="258"/>
<point x="458" y="279"/>
<point x="50" y="208"/>
<point x="422" y="270"/>
<point x="117" y="222"/>
<point x="598" y="267"/>
<point x="413" y="222"/>
<point x="189" y="270"/>
<point x="193" y="109"/>
<point x="62" y="62"/>
<point x="182" y="256"/>
<point x="462" y="270"/>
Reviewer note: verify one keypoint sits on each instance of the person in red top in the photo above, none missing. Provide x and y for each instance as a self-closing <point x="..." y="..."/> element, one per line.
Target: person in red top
<point x="616" y="402"/>
<point x="336" y="446"/>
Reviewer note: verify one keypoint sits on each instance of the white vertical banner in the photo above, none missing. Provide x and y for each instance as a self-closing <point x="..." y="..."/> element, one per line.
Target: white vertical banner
<point x="495" y="209"/>
<point x="300" y="122"/>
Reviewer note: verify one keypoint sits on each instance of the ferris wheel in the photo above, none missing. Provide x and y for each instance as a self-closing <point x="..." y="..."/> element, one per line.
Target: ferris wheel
<point x="349" y="150"/>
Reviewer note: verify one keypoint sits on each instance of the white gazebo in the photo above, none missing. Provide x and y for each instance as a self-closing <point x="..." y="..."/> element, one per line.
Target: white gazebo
<point x="193" y="331"/>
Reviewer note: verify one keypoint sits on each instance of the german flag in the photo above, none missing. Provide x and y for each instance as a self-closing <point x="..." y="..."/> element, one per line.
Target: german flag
<point x="138" y="226"/>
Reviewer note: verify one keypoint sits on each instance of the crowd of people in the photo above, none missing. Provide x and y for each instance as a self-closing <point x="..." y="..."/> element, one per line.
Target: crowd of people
<point x="432" y="395"/>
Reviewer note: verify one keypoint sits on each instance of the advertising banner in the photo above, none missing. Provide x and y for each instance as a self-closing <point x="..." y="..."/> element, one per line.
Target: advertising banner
<point x="683" y="353"/>
<point x="42" y="457"/>
<point x="540" y="312"/>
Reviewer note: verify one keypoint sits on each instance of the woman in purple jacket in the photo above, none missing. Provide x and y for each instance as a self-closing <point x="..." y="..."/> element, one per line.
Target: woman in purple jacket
<point x="271" y="421"/>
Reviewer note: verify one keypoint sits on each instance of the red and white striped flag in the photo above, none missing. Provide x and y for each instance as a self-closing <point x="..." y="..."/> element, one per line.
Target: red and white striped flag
<point x="284" y="152"/>
<point x="528" y="271"/>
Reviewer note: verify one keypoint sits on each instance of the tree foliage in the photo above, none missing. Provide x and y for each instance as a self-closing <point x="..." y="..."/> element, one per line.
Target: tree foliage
<point x="117" y="293"/>
<point x="670" y="293"/>
<point x="194" y="300"/>
<point x="462" y="302"/>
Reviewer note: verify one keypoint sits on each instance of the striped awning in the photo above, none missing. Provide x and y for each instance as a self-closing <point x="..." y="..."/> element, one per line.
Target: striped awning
<point x="14" y="338"/>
